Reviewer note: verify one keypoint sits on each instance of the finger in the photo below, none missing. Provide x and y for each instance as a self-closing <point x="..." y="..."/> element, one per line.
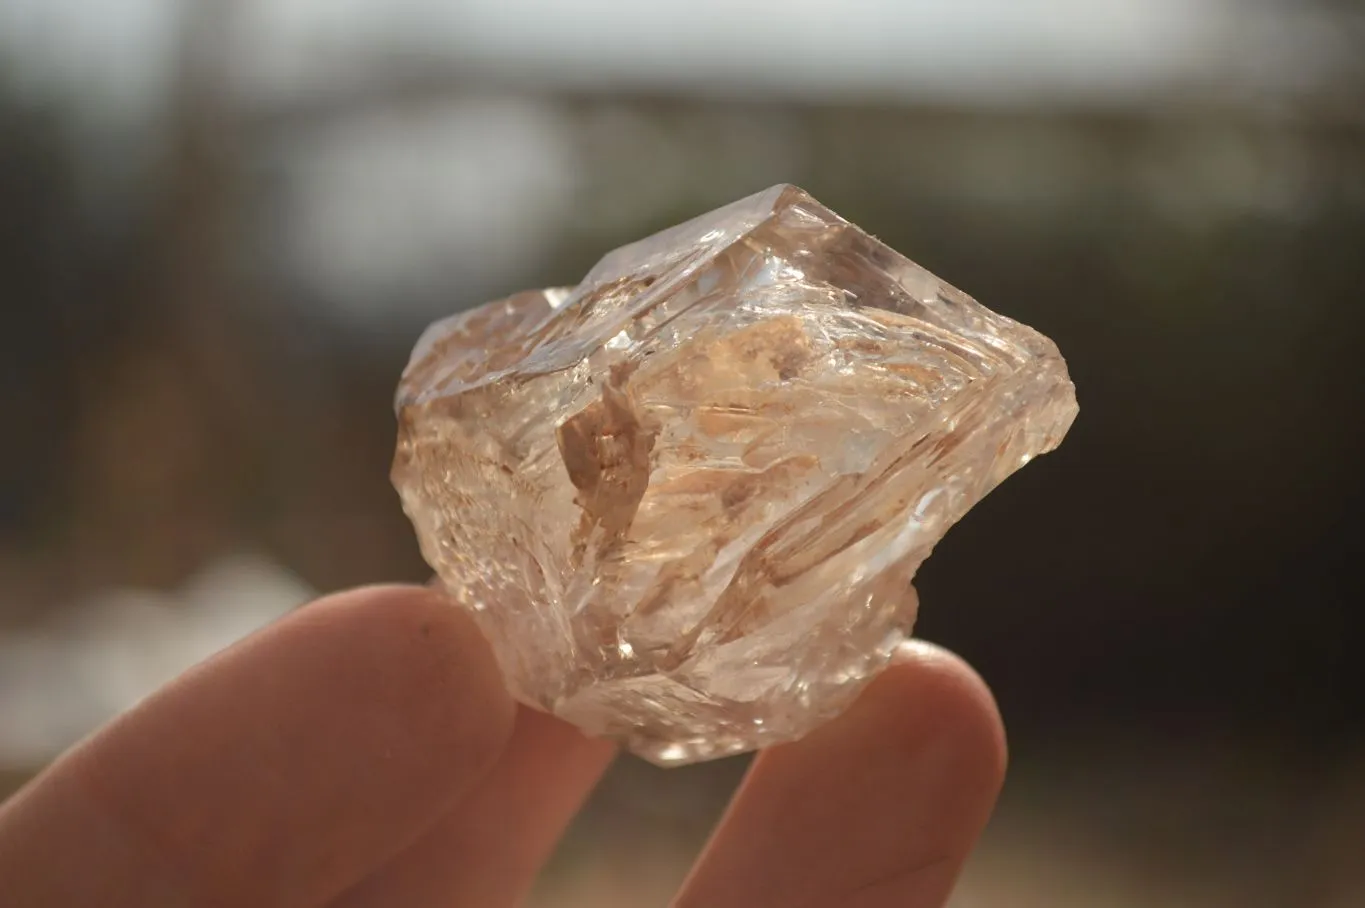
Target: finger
<point x="276" y="773"/>
<point x="878" y="808"/>
<point x="489" y="848"/>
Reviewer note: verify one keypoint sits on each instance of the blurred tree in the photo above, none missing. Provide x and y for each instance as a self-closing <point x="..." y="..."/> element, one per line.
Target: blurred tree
<point x="56" y="269"/>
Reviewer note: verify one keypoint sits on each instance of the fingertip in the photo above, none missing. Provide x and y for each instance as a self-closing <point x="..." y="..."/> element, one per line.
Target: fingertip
<point x="432" y="673"/>
<point x="951" y="702"/>
<point x="879" y="806"/>
<point x="308" y="754"/>
<point x="538" y="785"/>
<point x="928" y="703"/>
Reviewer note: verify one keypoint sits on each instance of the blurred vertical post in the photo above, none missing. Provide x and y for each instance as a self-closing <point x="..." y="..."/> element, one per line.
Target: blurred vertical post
<point x="162" y="427"/>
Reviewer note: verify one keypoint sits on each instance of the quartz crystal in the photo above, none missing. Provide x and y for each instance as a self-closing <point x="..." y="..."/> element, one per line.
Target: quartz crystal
<point x="685" y="499"/>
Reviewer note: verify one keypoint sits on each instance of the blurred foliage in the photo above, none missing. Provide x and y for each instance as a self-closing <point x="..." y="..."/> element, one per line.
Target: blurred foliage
<point x="55" y="271"/>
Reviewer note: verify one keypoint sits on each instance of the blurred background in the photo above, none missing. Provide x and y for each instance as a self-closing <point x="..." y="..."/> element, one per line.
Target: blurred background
<point x="224" y="223"/>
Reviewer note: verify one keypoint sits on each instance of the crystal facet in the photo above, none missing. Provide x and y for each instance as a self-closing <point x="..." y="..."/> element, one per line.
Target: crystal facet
<point x="685" y="499"/>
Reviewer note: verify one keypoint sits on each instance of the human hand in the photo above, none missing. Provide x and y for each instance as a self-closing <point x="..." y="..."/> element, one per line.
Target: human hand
<point x="363" y="752"/>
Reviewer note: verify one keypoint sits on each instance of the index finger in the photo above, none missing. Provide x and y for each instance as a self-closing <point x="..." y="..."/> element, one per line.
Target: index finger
<point x="277" y="773"/>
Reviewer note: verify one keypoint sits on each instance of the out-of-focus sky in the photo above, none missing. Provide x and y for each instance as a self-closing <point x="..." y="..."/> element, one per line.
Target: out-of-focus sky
<point x="971" y="51"/>
<point x="475" y="172"/>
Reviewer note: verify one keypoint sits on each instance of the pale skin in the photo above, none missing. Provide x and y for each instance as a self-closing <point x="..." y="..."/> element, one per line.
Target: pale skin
<point x="362" y="751"/>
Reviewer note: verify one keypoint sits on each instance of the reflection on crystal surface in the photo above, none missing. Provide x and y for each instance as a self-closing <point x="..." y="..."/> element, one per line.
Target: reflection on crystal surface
<point x="685" y="499"/>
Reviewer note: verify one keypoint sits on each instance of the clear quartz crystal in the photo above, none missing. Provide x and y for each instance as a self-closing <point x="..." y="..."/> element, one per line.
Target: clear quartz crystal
<point x="685" y="499"/>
